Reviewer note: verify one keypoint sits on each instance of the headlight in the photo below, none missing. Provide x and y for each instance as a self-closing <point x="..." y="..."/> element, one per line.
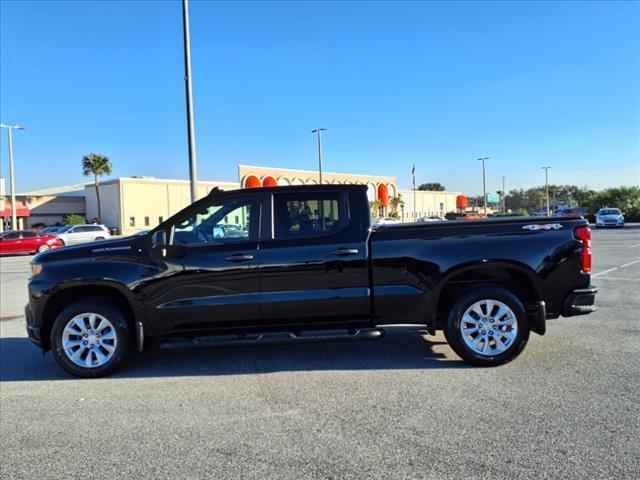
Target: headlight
<point x="36" y="268"/>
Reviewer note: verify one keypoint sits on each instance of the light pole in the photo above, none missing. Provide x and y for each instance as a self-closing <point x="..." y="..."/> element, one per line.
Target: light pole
<point x="504" y="197"/>
<point x="484" y="184"/>
<point x="318" y="131"/>
<point x="193" y="171"/>
<point x="12" y="185"/>
<point x="546" y="186"/>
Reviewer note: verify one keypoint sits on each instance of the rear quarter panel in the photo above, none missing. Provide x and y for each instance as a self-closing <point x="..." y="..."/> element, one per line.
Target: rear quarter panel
<point x="411" y="263"/>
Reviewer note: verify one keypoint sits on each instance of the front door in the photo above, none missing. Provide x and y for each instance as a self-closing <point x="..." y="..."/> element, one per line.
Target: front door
<point x="11" y="242"/>
<point x="313" y="265"/>
<point x="209" y="274"/>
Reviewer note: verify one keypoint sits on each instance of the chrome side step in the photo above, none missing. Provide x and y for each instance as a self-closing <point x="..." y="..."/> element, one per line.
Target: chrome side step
<point x="271" y="338"/>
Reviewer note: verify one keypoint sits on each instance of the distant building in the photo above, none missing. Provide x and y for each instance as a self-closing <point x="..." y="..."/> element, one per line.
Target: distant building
<point x="131" y="204"/>
<point x="41" y="207"/>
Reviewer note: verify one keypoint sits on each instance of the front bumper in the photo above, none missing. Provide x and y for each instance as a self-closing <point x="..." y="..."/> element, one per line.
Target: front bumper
<point x="33" y="330"/>
<point x="580" y="302"/>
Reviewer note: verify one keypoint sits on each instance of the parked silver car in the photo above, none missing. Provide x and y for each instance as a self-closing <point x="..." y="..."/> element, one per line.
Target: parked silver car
<point x="609" y="217"/>
<point x="75" y="234"/>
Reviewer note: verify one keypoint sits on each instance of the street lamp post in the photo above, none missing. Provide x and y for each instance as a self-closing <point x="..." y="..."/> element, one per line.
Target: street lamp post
<point x="546" y="186"/>
<point x="504" y="197"/>
<point x="12" y="185"/>
<point x="193" y="172"/>
<point x="484" y="184"/>
<point x="318" y="131"/>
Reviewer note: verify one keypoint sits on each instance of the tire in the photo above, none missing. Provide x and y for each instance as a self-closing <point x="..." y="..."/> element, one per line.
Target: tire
<point x="98" y="238"/>
<point x="492" y="333"/>
<point x="93" y="353"/>
<point x="62" y="244"/>
<point x="43" y="248"/>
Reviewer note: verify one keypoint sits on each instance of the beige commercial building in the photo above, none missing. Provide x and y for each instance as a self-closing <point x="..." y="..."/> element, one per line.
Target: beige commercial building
<point x="140" y="203"/>
<point x="131" y="204"/>
<point x="427" y="203"/>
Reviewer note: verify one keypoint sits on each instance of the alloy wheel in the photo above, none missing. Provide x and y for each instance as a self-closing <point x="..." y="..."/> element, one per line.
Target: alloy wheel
<point x="489" y="327"/>
<point x="89" y="340"/>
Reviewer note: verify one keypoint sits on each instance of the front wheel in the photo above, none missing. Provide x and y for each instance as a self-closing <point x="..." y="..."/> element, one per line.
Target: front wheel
<point x="90" y="338"/>
<point x="43" y="248"/>
<point x="487" y="326"/>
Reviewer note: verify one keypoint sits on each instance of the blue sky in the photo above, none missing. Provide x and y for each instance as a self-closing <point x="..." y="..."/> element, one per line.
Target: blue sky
<point x="435" y="84"/>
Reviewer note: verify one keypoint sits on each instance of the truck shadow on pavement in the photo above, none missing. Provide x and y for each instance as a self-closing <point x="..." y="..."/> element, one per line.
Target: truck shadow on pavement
<point x="400" y="348"/>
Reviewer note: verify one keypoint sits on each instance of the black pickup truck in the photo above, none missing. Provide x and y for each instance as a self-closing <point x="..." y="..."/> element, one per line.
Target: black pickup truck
<point x="303" y="264"/>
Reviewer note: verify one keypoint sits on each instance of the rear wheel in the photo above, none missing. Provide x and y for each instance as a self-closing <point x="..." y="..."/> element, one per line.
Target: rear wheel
<point x="98" y="238"/>
<point x="487" y="326"/>
<point x="90" y="338"/>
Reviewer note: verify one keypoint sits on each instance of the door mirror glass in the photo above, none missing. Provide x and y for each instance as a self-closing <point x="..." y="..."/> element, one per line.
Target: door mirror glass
<point x="159" y="238"/>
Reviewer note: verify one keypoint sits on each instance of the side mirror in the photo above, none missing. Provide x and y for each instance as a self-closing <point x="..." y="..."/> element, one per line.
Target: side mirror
<point x="159" y="238"/>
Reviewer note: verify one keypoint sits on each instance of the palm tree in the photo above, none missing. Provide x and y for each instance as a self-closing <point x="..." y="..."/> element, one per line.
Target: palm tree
<point x="96" y="165"/>
<point x="395" y="203"/>
<point x="375" y="205"/>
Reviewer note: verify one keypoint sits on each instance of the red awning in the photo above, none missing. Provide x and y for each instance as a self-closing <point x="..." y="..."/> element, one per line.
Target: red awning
<point x="21" y="211"/>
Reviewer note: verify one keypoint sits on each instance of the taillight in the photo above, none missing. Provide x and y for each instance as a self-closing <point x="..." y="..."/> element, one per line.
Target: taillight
<point x="584" y="235"/>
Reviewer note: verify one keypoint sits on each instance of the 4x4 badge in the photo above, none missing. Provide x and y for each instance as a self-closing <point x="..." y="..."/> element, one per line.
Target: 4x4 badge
<point x="543" y="226"/>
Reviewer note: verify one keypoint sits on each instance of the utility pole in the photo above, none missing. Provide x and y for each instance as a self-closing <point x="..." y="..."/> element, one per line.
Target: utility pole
<point x="413" y="174"/>
<point x="12" y="184"/>
<point x="193" y="171"/>
<point x="484" y="184"/>
<point x="504" y="198"/>
<point x="546" y="186"/>
<point x="318" y="131"/>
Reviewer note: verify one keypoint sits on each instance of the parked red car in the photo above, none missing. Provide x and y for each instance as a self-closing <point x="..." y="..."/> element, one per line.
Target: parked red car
<point x="25" y="241"/>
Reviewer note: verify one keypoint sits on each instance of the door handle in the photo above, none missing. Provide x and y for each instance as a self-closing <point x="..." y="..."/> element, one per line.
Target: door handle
<point x="345" y="251"/>
<point x="239" y="257"/>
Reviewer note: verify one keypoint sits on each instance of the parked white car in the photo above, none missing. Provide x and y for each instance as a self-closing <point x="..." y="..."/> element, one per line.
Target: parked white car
<point x="384" y="221"/>
<point x="609" y="217"/>
<point x="432" y="218"/>
<point x="75" y="234"/>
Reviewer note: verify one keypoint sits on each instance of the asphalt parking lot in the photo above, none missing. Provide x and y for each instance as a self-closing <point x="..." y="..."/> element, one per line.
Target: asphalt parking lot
<point x="401" y="407"/>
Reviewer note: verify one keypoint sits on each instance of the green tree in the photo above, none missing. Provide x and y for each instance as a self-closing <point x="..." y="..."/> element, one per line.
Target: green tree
<point x="395" y="203"/>
<point x="74" y="219"/>
<point x="96" y="165"/>
<point x="375" y="206"/>
<point x="432" y="187"/>
<point x="627" y="199"/>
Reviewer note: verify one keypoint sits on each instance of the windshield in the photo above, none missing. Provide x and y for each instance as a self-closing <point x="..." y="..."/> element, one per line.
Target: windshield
<point x="609" y="211"/>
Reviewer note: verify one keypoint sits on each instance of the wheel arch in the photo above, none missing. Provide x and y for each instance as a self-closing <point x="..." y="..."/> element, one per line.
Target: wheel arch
<point x="68" y="294"/>
<point x="515" y="277"/>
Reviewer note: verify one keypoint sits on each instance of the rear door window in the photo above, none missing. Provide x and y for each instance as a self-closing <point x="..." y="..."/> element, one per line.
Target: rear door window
<point x="313" y="214"/>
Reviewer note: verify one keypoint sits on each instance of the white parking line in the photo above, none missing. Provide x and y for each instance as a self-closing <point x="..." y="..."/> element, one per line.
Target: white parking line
<point x="618" y="279"/>
<point x="616" y="268"/>
<point x="630" y="263"/>
<point x="606" y="271"/>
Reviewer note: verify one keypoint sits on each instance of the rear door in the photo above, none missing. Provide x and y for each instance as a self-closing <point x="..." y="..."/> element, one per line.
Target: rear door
<point x="209" y="272"/>
<point x="313" y="262"/>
